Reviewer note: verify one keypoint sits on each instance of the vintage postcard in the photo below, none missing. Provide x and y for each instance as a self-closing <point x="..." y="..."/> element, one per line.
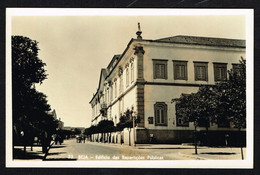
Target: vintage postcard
<point x="142" y="88"/>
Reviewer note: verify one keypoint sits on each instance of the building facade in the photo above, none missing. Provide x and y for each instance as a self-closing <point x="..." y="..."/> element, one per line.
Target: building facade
<point x="150" y="73"/>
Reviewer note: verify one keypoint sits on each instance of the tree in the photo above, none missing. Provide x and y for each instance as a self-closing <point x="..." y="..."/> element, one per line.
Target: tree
<point x="232" y="98"/>
<point x="30" y="107"/>
<point x="105" y="126"/>
<point x="190" y="106"/>
<point x="224" y="101"/>
<point x="91" y="130"/>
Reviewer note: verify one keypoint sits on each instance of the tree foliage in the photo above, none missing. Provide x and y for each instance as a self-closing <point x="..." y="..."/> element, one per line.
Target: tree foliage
<point x="232" y="97"/>
<point x="103" y="126"/>
<point x="126" y="120"/>
<point x="225" y="101"/>
<point x="91" y="130"/>
<point x="30" y="107"/>
<point x="27" y="68"/>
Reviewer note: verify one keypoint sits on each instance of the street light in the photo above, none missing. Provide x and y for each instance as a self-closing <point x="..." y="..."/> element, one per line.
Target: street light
<point x="133" y="117"/>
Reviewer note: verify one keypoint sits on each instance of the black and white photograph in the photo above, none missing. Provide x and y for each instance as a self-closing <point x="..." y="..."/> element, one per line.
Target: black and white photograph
<point x="141" y="88"/>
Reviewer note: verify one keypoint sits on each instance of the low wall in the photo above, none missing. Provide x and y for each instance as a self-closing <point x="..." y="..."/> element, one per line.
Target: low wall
<point x="210" y="138"/>
<point x="146" y="136"/>
<point x="163" y="136"/>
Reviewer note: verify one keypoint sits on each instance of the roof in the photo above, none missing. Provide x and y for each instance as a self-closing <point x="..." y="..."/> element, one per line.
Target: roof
<point x="103" y="74"/>
<point x="116" y="57"/>
<point x="181" y="39"/>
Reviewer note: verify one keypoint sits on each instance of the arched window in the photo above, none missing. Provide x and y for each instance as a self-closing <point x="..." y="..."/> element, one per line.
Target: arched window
<point x="121" y="84"/>
<point x="111" y="90"/>
<point x="160" y="114"/>
<point x="127" y="77"/>
<point x="132" y="72"/>
<point x="115" y="88"/>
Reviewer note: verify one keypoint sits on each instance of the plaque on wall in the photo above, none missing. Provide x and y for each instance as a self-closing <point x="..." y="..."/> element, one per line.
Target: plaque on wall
<point x="150" y="120"/>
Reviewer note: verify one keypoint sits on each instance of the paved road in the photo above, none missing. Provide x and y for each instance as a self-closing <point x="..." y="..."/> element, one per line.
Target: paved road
<point x="70" y="150"/>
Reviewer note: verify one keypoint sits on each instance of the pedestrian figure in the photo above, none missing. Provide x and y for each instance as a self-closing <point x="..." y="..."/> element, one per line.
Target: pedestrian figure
<point x="45" y="141"/>
<point x="226" y="139"/>
<point x="84" y="138"/>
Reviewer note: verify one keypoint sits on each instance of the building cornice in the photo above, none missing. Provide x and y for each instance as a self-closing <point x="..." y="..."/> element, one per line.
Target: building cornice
<point x="176" y="84"/>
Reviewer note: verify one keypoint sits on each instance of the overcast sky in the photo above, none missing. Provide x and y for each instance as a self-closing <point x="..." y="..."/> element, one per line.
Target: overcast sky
<point x="75" y="48"/>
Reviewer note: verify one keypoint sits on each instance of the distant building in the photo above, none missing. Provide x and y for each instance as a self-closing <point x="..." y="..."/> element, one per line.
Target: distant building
<point x="60" y="123"/>
<point x="150" y="73"/>
<point x="73" y="128"/>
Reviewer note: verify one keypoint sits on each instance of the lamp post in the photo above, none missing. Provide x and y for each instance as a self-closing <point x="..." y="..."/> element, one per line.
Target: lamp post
<point x="133" y="117"/>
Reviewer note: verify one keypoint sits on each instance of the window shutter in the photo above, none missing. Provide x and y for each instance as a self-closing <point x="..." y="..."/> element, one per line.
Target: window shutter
<point x="196" y="73"/>
<point x="162" y="116"/>
<point x="185" y="73"/>
<point x="157" y="116"/>
<point x="178" y="71"/>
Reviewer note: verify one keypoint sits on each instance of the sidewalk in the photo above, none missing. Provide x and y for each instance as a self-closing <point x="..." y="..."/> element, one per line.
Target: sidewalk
<point x="188" y="151"/>
<point x="204" y="152"/>
<point x="170" y="150"/>
<point x="35" y="154"/>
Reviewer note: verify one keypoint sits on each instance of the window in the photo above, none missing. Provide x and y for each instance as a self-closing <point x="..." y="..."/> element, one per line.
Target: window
<point x="127" y="77"/>
<point x="180" y="70"/>
<point x="120" y="84"/>
<point x="121" y="106"/>
<point x="132" y="72"/>
<point x="201" y="71"/>
<point x="105" y="96"/>
<point x="108" y="96"/>
<point x="181" y="120"/>
<point x="220" y="71"/>
<point x="160" y="113"/>
<point x="120" y="74"/>
<point x="115" y="88"/>
<point x="160" y="69"/>
<point x="111" y="89"/>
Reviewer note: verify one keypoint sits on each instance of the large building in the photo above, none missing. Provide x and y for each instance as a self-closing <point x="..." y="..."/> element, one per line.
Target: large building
<point x="150" y="73"/>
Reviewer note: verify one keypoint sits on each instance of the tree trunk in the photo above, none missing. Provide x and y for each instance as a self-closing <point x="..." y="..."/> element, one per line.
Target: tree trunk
<point x="195" y="138"/>
<point x="206" y="135"/>
<point x="241" y="146"/>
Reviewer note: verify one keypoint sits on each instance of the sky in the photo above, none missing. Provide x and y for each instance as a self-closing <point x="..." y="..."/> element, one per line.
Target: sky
<point x="75" y="48"/>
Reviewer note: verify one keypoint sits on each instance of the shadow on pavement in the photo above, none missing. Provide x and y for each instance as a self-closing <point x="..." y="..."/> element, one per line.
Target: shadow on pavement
<point x="218" y="153"/>
<point x="56" y="153"/>
<point x="59" y="159"/>
<point x="169" y="148"/>
<point x="19" y="154"/>
<point x="58" y="146"/>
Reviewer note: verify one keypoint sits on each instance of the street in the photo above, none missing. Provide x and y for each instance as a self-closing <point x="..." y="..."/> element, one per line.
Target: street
<point x="71" y="150"/>
<point x="103" y="151"/>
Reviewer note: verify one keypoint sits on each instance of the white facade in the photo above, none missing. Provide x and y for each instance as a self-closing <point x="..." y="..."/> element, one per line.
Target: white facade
<point x="145" y="76"/>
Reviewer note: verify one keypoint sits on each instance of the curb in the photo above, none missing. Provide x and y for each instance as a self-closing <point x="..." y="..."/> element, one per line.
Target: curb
<point x="191" y="156"/>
